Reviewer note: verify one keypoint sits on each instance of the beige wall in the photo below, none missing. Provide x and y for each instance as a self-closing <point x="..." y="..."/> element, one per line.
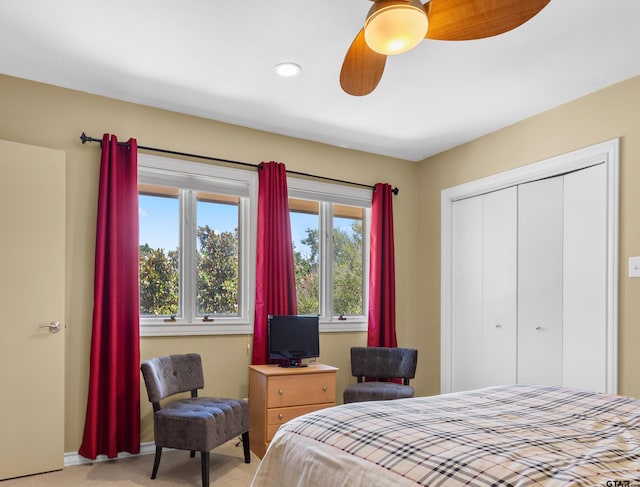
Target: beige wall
<point x="610" y="113"/>
<point x="43" y="115"/>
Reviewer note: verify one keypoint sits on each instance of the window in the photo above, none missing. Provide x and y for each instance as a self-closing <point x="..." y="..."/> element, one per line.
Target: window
<point x="217" y="254"/>
<point x="197" y="249"/>
<point x="196" y="253"/>
<point x="305" y="228"/>
<point x="159" y="269"/>
<point x="329" y="229"/>
<point x="348" y="261"/>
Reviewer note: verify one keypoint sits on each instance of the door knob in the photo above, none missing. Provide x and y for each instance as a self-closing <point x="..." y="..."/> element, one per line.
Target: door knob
<point x="54" y="326"/>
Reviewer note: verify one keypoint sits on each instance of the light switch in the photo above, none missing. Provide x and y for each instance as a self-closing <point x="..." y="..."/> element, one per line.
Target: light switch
<point x="634" y="267"/>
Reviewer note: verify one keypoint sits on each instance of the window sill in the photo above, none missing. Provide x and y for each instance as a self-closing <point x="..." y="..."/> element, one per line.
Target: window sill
<point x="193" y="329"/>
<point x="184" y="329"/>
<point x="337" y="326"/>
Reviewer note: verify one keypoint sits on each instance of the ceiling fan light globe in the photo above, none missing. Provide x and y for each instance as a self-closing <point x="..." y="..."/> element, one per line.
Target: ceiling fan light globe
<point x="394" y="27"/>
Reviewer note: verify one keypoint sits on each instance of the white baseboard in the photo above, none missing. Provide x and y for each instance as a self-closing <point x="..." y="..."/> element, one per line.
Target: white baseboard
<point x="74" y="458"/>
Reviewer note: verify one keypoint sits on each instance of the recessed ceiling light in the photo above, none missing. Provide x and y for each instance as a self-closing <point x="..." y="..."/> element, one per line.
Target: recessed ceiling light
<point x="288" y="69"/>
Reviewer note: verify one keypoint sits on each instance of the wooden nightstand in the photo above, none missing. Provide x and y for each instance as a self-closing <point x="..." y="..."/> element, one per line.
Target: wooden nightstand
<point x="278" y="394"/>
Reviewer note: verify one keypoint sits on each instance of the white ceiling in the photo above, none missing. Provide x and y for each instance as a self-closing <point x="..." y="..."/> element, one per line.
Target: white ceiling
<point x="215" y="60"/>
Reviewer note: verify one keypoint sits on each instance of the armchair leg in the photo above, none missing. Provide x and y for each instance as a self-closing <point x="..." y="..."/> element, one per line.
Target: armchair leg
<point x="204" y="460"/>
<point x="245" y="446"/>
<point x="192" y="453"/>
<point x="156" y="462"/>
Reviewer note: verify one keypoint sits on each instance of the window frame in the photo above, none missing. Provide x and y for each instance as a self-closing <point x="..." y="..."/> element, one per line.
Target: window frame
<point x="193" y="177"/>
<point x="329" y="194"/>
<point x="198" y="176"/>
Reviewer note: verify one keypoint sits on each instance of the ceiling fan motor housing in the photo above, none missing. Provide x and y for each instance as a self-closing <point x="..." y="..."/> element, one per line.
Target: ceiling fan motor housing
<point x="395" y="26"/>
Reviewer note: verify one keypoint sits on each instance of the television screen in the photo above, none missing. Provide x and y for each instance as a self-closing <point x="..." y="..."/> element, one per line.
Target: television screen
<point x="293" y="338"/>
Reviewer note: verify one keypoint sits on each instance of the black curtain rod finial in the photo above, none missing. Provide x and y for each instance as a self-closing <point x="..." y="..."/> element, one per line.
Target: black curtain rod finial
<point x="85" y="138"/>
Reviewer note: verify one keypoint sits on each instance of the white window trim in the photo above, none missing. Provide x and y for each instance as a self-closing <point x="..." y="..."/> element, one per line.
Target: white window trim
<point x="343" y="195"/>
<point x="217" y="179"/>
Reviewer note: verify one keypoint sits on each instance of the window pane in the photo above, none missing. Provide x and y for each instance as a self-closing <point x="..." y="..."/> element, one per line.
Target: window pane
<point x="347" y="260"/>
<point x="217" y="254"/>
<point x="159" y="210"/>
<point x="305" y="237"/>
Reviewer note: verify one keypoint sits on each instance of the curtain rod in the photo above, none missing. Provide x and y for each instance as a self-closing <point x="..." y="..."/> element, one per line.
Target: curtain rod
<point x="85" y="138"/>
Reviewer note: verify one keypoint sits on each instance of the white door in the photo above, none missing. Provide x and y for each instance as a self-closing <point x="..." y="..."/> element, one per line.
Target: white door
<point x="32" y="288"/>
<point x="585" y="280"/>
<point x="540" y="264"/>
<point x="499" y="287"/>
<point x="466" y="295"/>
<point x="484" y="290"/>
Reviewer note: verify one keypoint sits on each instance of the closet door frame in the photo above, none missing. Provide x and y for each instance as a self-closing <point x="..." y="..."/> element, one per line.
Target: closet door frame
<point x="606" y="153"/>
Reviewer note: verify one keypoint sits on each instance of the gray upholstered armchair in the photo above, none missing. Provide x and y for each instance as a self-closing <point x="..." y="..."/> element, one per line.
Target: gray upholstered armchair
<point x="381" y="363"/>
<point x="194" y="423"/>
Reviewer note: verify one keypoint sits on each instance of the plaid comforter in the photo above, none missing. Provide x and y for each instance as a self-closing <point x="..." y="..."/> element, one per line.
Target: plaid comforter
<point x="498" y="436"/>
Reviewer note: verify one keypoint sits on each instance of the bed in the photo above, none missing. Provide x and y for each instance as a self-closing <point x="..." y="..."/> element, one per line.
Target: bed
<point x="498" y="436"/>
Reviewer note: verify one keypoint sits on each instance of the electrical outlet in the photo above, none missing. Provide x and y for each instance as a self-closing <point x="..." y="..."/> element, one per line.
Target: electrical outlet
<point x="634" y="267"/>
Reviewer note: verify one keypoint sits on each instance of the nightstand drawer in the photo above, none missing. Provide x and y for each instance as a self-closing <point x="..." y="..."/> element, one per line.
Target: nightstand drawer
<point x="301" y="390"/>
<point x="279" y="416"/>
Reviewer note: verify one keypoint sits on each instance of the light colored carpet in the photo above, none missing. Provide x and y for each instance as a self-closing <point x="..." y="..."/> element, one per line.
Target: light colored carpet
<point x="176" y="468"/>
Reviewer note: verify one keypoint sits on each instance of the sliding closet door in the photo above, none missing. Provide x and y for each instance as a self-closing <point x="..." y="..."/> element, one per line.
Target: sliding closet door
<point x="484" y="270"/>
<point x="466" y="295"/>
<point x="529" y="284"/>
<point x="564" y="284"/>
<point x="540" y="281"/>
<point x="585" y="279"/>
<point x="499" y="287"/>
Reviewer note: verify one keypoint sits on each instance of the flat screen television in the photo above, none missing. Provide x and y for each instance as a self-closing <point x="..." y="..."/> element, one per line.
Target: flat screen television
<point x="293" y="338"/>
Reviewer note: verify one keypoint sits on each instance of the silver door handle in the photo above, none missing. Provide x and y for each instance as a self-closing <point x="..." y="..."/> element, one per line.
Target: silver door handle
<point x="54" y="326"/>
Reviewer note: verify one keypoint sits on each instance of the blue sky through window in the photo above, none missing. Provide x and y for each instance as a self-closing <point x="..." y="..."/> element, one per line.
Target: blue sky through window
<point x="299" y="224"/>
<point x="159" y="220"/>
<point x="344" y="224"/>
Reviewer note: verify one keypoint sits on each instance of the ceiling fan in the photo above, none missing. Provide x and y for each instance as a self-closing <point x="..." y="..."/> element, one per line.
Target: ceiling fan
<point x="395" y="26"/>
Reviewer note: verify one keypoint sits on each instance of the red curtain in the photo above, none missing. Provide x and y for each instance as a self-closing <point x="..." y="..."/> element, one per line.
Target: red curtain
<point x="275" y="281"/>
<point x="382" y="279"/>
<point x="112" y="422"/>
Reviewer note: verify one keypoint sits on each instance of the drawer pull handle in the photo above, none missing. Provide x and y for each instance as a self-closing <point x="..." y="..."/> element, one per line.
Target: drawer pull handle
<point x="281" y="392"/>
<point x="280" y="416"/>
<point x="324" y="388"/>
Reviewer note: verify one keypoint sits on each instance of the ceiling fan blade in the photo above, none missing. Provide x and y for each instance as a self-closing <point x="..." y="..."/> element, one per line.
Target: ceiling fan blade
<point x="362" y="68"/>
<point x="463" y="20"/>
